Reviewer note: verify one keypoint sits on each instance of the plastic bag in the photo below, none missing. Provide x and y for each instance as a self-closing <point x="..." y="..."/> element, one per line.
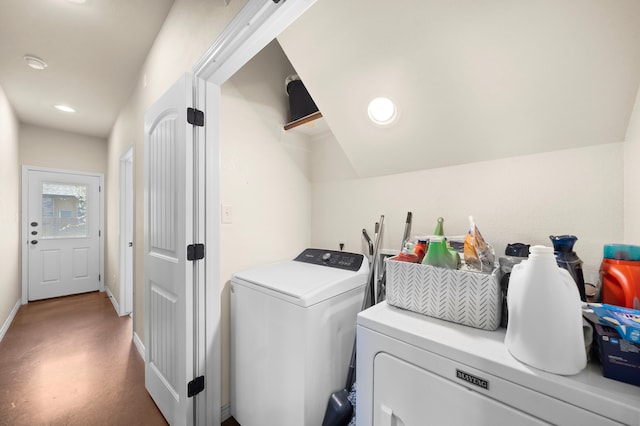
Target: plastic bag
<point x="478" y="254"/>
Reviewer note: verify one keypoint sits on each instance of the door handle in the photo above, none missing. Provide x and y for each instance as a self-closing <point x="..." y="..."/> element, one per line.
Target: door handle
<point x="388" y="417"/>
<point x="34" y="232"/>
<point x="34" y="223"/>
<point x="34" y="241"/>
<point x="130" y="243"/>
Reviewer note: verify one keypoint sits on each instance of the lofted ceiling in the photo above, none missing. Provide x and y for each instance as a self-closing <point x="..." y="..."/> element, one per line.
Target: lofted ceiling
<point x="473" y="80"/>
<point x="94" y="53"/>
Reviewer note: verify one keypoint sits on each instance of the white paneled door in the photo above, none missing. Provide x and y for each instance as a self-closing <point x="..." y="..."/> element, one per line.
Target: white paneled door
<point x="168" y="275"/>
<point x="62" y="233"/>
<point x="126" y="232"/>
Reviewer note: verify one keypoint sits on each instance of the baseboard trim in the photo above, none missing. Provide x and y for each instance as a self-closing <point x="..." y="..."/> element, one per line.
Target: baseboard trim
<point x="114" y="302"/>
<point x="225" y="411"/>
<point x="9" y="320"/>
<point x="139" y="344"/>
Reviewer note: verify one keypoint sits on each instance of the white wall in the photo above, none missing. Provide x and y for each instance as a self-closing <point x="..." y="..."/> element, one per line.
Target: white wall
<point x="10" y="285"/>
<point x="264" y="177"/>
<point x="190" y="28"/>
<point x="57" y="149"/>
<point x="520" y="199"/>
<point x="277" y="212"/>
<point x="264" y="170"/>
<point x="632" y="178"/>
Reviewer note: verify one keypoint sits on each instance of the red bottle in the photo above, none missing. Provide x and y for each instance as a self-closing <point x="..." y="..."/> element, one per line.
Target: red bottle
<point x="406" y="257"/>
<point x="420" y="250"/>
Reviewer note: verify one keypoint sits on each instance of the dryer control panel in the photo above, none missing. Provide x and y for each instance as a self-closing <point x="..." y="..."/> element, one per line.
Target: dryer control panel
<point x="331" y="258"/>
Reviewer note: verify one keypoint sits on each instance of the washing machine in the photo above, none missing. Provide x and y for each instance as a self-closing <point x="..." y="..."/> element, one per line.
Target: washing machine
<point x="292" y="333"/>
<point x="415" y="370"/>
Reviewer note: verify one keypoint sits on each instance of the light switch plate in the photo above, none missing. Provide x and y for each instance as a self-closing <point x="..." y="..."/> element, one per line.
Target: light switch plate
<point x="226" y="214"/>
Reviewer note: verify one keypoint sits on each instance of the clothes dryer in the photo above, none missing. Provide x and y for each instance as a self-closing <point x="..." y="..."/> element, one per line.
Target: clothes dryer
<point x="413" y="370"/>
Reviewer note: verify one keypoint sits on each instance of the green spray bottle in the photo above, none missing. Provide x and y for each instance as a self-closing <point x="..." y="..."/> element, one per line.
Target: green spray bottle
<point x="438" y="253"/>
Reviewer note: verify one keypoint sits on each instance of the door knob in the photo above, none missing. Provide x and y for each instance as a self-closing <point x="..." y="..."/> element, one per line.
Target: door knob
<point x="34" y="241"/>
<point x="130" y="243"/>
<point x="34" y="232"/>
<point x="34" y="223"/>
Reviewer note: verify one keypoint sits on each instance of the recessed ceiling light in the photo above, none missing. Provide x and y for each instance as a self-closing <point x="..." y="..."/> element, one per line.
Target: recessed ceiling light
<point x="77" y="1"/>
<point x="382" y="111"/>
<point x="35" y="62"/>
<point x="64" y="108"/>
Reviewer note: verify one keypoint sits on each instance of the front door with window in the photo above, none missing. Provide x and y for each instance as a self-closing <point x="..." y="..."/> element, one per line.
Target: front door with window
<point x="63" y="233"/>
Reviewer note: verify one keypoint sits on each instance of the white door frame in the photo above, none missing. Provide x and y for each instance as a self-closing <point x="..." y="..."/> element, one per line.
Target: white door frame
<point x="25" y="224"/>
<point x="127" y="211"/>
<point x="255" y="26"/>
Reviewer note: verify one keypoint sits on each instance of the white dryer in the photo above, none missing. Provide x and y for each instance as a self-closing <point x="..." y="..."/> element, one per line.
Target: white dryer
<point x="292" y="332"/>
<point x="417" y="370"/>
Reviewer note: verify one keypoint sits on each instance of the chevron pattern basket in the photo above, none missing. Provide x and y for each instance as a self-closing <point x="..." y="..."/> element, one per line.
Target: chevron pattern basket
<point x="463" y="297"/>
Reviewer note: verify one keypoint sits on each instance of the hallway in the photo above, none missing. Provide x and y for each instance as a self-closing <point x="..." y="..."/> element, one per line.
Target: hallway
<point x="72" y="361"/>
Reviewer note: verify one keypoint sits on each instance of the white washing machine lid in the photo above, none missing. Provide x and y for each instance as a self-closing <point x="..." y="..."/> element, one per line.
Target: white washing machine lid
<point x="302" y="283"/>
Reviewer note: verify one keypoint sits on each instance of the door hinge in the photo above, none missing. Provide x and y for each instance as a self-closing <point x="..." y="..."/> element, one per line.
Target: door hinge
<point x="195" y="386"/>
<point x="195" y="251"/>
<point x="99" y="233"/>
<point x="99" y="188"/>
<point x="195" y="117"/>
<point x="99" y="277"/>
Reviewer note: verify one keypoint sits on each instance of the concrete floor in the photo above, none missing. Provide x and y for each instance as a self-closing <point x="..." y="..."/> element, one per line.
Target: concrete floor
<point x="71" y="361"/>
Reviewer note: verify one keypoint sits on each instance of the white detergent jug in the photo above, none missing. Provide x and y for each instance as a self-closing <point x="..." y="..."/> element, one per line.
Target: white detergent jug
<point x="545" y="315"/>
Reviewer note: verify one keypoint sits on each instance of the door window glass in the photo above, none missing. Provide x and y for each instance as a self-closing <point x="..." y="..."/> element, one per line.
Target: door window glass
<point x="64" y="210"/>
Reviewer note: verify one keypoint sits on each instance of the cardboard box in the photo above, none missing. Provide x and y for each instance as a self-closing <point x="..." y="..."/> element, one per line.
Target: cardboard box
<point x="626" y="321"/>
<point x="620" y="358"/>
<point x="460" y="296"/>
